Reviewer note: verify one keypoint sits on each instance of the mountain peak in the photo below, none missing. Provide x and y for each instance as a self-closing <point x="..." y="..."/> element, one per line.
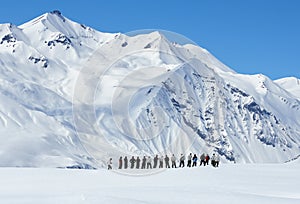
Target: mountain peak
<point x="57" y="13"/>
<point x="54" y="17"/>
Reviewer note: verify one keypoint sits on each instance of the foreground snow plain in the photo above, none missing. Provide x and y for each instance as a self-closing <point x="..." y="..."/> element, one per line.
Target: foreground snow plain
<point x="231" y="183"/>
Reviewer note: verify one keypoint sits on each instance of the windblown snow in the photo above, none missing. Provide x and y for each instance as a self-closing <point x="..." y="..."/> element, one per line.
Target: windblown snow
<point x="71" y="96"/>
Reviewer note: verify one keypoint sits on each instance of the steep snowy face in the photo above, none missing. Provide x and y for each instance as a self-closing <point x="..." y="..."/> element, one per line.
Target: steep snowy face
<point x="40" y="61"/>
<point x="73" y="96"/>
<point x="189" y="108"/>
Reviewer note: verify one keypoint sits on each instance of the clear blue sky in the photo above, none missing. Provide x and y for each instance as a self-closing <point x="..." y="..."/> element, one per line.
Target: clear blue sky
<point x="250" y="36"/>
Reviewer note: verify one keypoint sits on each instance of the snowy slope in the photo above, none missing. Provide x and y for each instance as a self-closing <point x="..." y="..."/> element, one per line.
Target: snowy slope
<point x="290" y="84"/>
<point x="40" y="61"/>
<point x="74" y="96"/>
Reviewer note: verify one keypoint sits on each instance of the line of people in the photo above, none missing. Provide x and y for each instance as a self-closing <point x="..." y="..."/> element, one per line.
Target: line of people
<point x="164" y="161"/>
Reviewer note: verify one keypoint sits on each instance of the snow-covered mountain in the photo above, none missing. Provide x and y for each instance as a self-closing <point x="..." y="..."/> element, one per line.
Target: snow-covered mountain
<point x="74" y="96"/>
<point x="290" y="84"/>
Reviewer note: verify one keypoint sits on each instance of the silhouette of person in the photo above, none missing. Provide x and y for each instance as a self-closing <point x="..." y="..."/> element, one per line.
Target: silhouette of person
<point x="161" y="162"/>
<point x="125" y="162"/>
<point x="195" y="159"/>
<point x="202" y="159"/>
<point x="109" y="164"/>
<point x="149" y="162"/>
<point x="182" y="158"/>
<point x="120" y="163"/>
<point x="132" y="162"/>
<point x="189" y="163"/>
<point x="138" y="160"/>
<point x="155" y="160"/>
<point x="167" y="159"/>
<point x="173" y="160"/>
<point x="144" y="162"/>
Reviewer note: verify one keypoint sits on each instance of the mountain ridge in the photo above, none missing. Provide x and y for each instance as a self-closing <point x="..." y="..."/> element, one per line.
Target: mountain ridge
<point x="81" y="96"/>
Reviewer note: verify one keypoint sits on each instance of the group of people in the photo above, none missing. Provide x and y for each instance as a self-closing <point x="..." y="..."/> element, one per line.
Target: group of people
<point x="164" y="161"/>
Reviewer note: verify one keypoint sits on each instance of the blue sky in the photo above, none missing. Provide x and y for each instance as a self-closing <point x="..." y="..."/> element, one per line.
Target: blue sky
<point x="254" y="36"/>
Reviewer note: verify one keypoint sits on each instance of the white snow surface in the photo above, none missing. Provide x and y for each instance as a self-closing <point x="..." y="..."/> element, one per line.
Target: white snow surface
<point x="290" y="84"/>
<point x="71" y="96"/>
<point x="229" y="184"/>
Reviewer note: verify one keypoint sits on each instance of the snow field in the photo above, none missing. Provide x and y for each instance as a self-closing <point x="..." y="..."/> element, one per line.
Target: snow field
<point x="231" y="183"/>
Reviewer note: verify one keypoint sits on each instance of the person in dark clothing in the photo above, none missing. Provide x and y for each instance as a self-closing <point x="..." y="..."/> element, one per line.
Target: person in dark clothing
<point x="213" y="160"/>
<point x="202" y="159"/>
<point x="155" y="160"/>
<point x="125" y="162"/>
<point x="161" y="162"/>
<point x="173" y="160"/>
<point x="167" y="159"/>
<point x="132" y="162"/>
<point x="109" y="164"/>
<point x="195" y="159"/>
<point x="138" y="160"/>
<point x="182" y="158"/>
<point x="189" y="163"/>
<point x="144" y="163"/>
<point x="120" y="163"/>
<point x="207" y="159"/>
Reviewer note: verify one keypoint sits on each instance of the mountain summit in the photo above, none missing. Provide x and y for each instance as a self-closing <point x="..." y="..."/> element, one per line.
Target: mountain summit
<point x="72" y="96"/>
